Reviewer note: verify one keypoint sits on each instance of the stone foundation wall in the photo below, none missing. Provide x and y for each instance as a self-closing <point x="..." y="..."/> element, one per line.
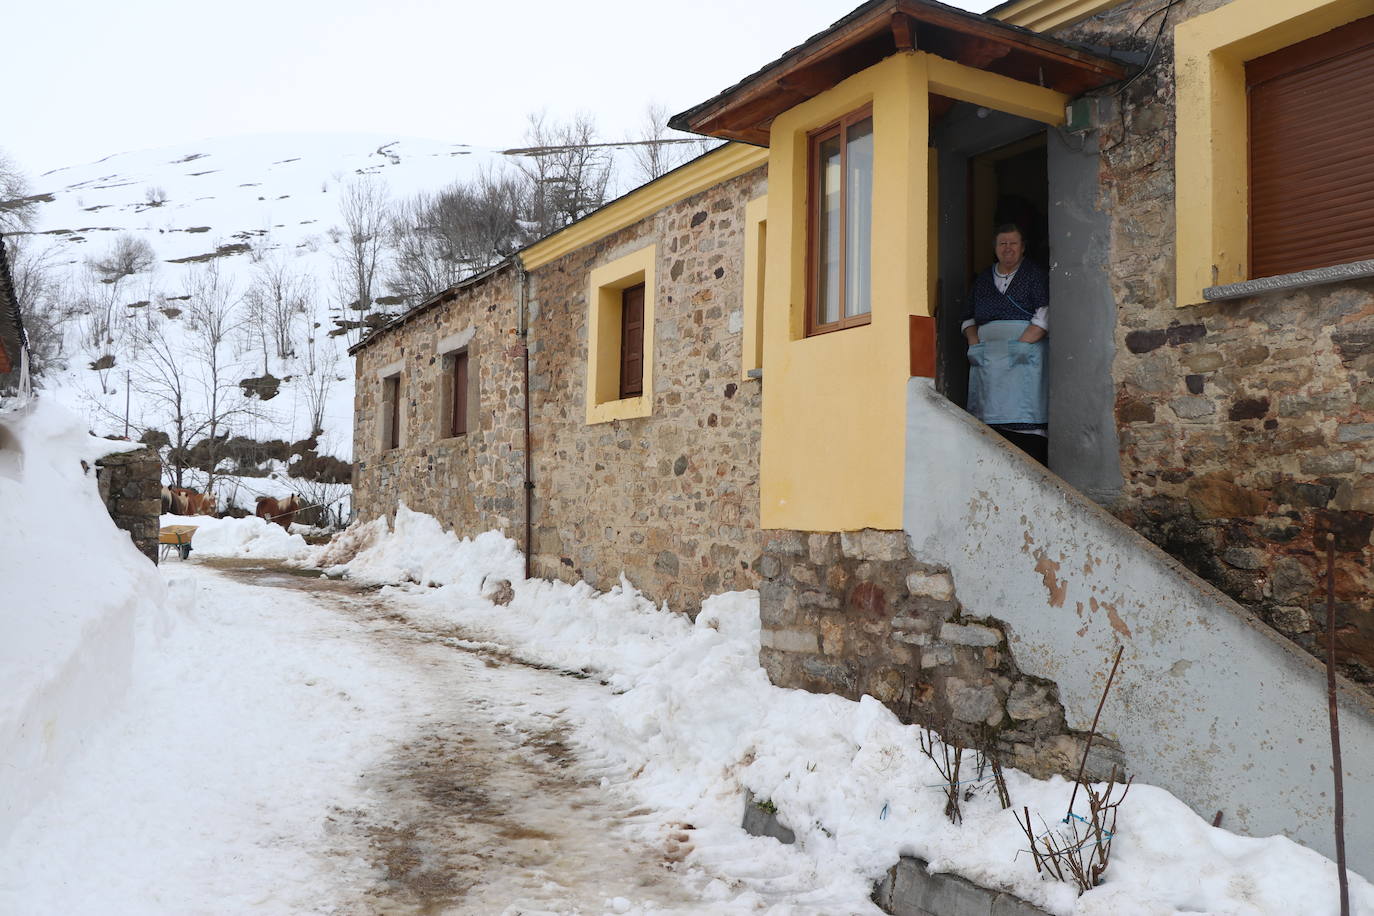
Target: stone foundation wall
<point x="1246" y="426"/>
<point x="854" y="613"/>
<point x="131" y="488"/>
<point x="670" y="499"/>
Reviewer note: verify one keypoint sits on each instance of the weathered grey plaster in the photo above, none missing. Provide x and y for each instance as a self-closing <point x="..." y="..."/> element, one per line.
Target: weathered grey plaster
<point x="1084" y="449"/>
<point x="1210" y="703"/>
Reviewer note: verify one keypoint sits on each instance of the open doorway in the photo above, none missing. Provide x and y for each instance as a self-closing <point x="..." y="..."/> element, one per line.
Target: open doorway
<point x="992" y="170"/>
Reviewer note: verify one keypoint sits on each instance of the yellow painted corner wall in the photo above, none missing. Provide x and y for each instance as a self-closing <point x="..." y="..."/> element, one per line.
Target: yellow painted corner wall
<point x="834" y="407"/>
<point x="604" y="287"/>
<point x="1211" y="165"/>
<point x="755" y="235"/>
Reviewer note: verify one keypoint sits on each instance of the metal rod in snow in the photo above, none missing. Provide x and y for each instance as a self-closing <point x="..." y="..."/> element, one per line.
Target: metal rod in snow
<point x="1335" y="723"/>
<point x="1092" y="731"/>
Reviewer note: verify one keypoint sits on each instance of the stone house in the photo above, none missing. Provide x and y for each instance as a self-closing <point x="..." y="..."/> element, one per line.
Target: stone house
<point x="673" y="389"/>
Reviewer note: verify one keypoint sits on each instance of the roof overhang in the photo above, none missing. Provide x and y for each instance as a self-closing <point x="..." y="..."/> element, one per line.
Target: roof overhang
<point x="877" y="30"/>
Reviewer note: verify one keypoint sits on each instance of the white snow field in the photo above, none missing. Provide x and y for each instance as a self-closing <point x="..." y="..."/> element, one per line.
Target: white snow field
<point x="253" y="741"/>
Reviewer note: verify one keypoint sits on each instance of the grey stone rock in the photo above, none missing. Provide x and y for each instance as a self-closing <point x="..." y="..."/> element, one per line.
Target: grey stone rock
<point x="1244" y="557"/>
<point x="973" y="704"/>
<point x="823" y="549"/>
<point x="1030" y="701"/>
<point x="936" y="656"/>
<point x="939" y="586"/>
<point x="1354" y="432"/>
<point x="788" y="542"/>
<point x="769" y="567"/>
<point x="969" y="635"/>
<point x="498" y="591"/>
<point x="1192" y="408"/>
<point x="912" y="639"/>
<point x="790" y="640"/>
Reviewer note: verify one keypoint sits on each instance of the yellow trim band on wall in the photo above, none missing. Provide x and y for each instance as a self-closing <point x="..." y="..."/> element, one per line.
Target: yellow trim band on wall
<point x="755" y="244"/>
<point x="722" y="164"/>
<point x="1211" y="163"/>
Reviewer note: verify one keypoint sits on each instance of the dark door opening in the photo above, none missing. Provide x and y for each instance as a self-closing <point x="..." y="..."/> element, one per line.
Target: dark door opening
<point x="993" y="170"/>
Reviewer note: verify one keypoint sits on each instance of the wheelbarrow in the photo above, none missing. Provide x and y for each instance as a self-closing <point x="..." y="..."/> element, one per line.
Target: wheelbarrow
<point x="176" y="536"/>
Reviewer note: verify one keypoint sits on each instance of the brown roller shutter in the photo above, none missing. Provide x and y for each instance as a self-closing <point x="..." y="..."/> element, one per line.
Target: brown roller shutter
<point x="632" y="342"/>
<point x="1312" y="152"/>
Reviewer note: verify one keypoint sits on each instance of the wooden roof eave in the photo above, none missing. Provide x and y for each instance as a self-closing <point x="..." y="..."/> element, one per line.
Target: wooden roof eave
<point x="744" y="111"/>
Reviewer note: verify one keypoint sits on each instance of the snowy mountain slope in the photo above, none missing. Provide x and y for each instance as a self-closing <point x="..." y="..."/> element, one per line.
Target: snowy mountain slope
<point x="230" y="203"/>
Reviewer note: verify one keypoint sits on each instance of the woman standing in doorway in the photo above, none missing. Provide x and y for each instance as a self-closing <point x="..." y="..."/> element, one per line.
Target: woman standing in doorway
<point x="1006" y="331"/>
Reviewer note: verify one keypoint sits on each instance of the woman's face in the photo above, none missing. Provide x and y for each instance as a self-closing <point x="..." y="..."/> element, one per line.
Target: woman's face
<point x="1011" y="248"/>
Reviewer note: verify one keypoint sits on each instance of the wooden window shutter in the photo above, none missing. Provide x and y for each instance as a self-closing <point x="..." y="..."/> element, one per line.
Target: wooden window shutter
<point x="1311" y="129"/>
<point x="632" y="342"/>
<point x="459" y="423"/>
<point x="391" y="410"/>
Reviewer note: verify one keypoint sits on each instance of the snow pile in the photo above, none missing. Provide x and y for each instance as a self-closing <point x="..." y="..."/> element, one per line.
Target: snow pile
<point x="696" y="723"/>
<point x="249" y="537"/>
<point x="419" y="550"/>
<point x="74" y="585"/>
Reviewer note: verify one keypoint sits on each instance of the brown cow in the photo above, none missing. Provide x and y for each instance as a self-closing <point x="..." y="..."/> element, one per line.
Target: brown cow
<point x="182" y="501"/>
<point x="280" y="511"/>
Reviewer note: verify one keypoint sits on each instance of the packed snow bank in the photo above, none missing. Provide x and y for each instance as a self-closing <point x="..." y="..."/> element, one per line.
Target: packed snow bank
<point x="249" y="537"/>
<point x="74" y="585"/>
<point x="419" y="550"/>
<point x="696" y="723"/>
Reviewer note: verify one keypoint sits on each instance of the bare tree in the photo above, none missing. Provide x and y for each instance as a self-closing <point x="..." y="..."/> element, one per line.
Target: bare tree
<point x="273" y="303"/>
<point x="42" y="302"/>
<point x="360" y="246"/>
<point x="129" y="255"/>
<point x="567" y="168"/>
<point x="17" y="208"/>
<point x="213" y="316"/>
<point x="657" y="149"/>
<point x="319" y="380"/>
<point x="162" y="377"/>
<point x="438" y="239"/>
<point x="102" y="322"/>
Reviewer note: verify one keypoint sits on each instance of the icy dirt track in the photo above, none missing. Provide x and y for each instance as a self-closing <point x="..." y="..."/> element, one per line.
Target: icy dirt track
<point x="303" y="750"/>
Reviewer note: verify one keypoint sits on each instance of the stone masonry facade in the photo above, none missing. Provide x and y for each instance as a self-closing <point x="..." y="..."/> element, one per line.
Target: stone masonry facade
<point x="1246" y="426"/>
<point x="853" y="613"/>
<point x="473" y="483"/>
<point x="671" y="499"/>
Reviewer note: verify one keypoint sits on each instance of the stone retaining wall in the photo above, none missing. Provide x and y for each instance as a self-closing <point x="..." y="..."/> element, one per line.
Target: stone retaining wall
<point x="854" y="613"/>
<point x="131" y="489"/>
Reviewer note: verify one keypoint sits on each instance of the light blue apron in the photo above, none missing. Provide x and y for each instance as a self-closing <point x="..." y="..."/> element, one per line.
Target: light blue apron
<point x="1007" y="382"/>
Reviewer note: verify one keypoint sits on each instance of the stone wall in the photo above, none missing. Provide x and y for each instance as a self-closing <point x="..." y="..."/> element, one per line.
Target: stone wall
<point x="1247" y="426"/>
<point x="472" y="483"/>
<point x="131" y="489"/>
<point x="854" y="613"/>
<point x="671" y="499"/>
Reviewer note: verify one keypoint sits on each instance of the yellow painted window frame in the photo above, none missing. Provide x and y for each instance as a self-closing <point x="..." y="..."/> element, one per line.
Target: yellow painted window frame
<point x="1211" y="172"/>
<point x="604" y="288"/>
<point x="755" y="244"/>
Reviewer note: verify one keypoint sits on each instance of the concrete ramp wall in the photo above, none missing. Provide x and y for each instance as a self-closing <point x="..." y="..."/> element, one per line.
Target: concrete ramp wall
<point x="1209" y="703"/>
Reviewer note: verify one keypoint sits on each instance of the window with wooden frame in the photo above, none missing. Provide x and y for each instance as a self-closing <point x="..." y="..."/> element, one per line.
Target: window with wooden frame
<point x="458" y="393"/>
<point x="632" y="341"/>
<point x="840" y="224"/>
<point x="391" y="412"/>
<point x="1311" y="121"/>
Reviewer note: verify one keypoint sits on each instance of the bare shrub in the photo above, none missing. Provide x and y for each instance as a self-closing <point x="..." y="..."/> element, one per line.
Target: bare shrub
<point x="1078" y="849"/>
<point x="130" y="254"/>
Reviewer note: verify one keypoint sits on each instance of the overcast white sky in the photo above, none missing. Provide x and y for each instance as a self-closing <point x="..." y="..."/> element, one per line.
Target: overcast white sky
<point x="85" y="80"/>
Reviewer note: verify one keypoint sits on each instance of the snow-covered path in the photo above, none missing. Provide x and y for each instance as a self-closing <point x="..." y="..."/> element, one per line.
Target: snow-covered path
<point x="296" y="747"/>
